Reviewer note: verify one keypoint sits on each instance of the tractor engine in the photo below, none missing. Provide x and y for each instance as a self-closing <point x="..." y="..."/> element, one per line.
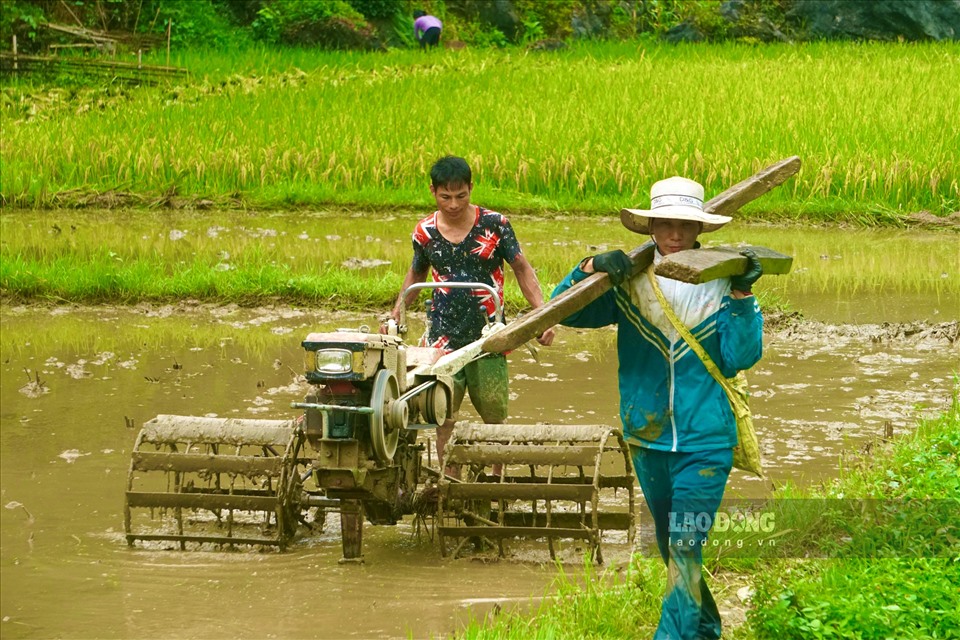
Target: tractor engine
<point x="356" y="423"/>
<point x="357" y="378"/>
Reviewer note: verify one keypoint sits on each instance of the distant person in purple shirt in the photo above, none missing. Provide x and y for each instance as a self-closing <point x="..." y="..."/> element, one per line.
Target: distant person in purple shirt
<point x="426" y="29"/>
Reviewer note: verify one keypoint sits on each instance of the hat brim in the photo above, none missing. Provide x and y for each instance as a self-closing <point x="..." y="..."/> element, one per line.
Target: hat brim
<point x="638" y="220"/>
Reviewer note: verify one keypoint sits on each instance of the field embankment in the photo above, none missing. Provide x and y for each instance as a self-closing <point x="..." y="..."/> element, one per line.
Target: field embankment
<point x="588" y="129"/>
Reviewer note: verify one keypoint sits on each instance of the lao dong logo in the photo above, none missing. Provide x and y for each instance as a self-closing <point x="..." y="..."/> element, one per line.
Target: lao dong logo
<point x="737" y="522"/>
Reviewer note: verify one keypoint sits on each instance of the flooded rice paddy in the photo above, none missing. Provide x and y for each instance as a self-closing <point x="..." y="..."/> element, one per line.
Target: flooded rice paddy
<point x="78" y="383"/>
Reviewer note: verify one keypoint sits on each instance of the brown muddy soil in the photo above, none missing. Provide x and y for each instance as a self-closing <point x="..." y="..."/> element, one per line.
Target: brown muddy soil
<point x="927" y="220"/>
<point x="77" y="381"/>
<point x="924" y="334"/>
<point x="777" y="324"/>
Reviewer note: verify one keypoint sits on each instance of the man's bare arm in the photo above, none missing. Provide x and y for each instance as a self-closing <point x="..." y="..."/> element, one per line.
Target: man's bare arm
<point x="530" y="287"/>
<point x="412" y="277"/>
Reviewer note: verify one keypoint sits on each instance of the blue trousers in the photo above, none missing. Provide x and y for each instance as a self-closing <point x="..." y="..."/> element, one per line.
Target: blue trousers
<point x="683" y="492"/>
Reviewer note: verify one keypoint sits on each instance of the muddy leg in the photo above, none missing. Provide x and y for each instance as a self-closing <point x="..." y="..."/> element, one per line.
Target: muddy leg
<point x="489" y="388"/>
<point x="444" y="432"/>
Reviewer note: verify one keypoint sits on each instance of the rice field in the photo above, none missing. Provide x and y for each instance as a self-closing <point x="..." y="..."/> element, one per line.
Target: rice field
<point x="357" y="261"/>
<point x="585" y="130"/>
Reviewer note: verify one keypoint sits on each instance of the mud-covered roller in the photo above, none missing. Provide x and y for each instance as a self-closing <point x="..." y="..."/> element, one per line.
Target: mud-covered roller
<point x="558" y="481"/>
<point x="214" y="480"/>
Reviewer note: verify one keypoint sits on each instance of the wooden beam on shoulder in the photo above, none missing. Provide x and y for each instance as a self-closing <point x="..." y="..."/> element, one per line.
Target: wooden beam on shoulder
<point x="753" y="187"/>
<point x="697" y="266"/>
<point x="567" y="303"/>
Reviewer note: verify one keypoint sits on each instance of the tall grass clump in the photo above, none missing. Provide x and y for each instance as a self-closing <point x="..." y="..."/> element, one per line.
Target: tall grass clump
<point x="588" y="130"/>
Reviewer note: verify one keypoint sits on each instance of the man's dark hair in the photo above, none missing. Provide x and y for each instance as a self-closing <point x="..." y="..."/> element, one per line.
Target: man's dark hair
<point x="419" y="14"/>
<point x="450" y="171"/>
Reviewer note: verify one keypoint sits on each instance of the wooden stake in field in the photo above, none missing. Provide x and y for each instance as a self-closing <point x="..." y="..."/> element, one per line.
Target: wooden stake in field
<point x="589" y="289"/>
<point x="15" y="66"/>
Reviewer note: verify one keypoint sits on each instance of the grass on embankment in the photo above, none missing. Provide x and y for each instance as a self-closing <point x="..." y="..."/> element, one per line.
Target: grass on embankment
<point x="305" y="259"/>
<point x="589" y="129"/>
<point x="874" y="554"/>
<point x="892" y="570"/>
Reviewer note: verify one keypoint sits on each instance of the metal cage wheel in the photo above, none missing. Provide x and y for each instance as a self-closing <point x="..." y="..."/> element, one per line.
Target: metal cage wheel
<point x="289" y="491"/>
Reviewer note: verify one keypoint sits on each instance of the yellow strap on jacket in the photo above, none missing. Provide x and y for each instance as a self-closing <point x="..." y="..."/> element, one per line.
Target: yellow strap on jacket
<point x="746" y="455"/>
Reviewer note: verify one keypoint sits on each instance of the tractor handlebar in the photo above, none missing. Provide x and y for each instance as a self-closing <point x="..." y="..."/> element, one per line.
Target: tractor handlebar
<point x="417" y="286"/>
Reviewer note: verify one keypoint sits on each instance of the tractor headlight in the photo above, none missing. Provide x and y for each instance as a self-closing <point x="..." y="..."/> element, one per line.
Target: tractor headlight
<point x="334" y="361"/>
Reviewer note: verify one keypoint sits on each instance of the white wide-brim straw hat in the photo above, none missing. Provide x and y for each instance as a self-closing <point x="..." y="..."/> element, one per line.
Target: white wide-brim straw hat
<point x="675" y="198"/>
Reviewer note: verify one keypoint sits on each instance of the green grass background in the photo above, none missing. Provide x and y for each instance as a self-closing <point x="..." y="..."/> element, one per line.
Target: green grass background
<point x="588" y="129"/>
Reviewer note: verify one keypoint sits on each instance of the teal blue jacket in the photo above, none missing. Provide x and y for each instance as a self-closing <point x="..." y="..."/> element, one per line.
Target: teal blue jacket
<point x="668" y="400"/>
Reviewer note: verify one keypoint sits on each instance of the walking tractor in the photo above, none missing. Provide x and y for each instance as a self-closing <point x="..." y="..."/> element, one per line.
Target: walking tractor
<point x="355" y="449"/>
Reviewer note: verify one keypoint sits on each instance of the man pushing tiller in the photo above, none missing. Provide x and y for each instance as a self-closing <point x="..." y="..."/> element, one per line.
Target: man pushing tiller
<point x="463" y="242"/>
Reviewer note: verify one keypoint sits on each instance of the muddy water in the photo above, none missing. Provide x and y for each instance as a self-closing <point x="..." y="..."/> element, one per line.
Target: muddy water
<point x="73" y="381"/>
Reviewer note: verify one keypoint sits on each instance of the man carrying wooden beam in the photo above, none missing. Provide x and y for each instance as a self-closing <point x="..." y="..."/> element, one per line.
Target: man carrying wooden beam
<point x="676" y="416"/>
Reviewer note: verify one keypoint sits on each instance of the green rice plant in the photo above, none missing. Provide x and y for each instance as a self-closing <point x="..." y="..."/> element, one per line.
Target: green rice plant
<point x="358" y="260"/>
<point x="586" y="130"/>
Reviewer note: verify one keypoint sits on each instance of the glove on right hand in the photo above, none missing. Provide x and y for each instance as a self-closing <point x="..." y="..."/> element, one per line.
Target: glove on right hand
<point x="615" y="263"/>
<point x="754" y="270"/>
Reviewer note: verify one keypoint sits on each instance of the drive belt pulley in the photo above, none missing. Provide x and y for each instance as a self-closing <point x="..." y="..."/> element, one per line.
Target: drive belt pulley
<point x="389" y="417"/>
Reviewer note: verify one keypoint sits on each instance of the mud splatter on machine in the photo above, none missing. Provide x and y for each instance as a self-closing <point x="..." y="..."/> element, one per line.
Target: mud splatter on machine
<point x="355" y="450"/>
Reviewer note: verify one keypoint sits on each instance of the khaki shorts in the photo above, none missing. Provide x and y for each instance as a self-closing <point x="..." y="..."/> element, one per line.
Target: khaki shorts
<point x="486" y="380"/>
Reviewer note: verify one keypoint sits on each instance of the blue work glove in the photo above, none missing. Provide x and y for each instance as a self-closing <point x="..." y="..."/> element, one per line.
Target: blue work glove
<point x="615" y="263"/>
<point x="744" y="282"/>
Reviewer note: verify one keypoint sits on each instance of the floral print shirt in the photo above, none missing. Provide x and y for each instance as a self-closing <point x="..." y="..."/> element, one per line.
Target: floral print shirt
<point x="456" y="316"/>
